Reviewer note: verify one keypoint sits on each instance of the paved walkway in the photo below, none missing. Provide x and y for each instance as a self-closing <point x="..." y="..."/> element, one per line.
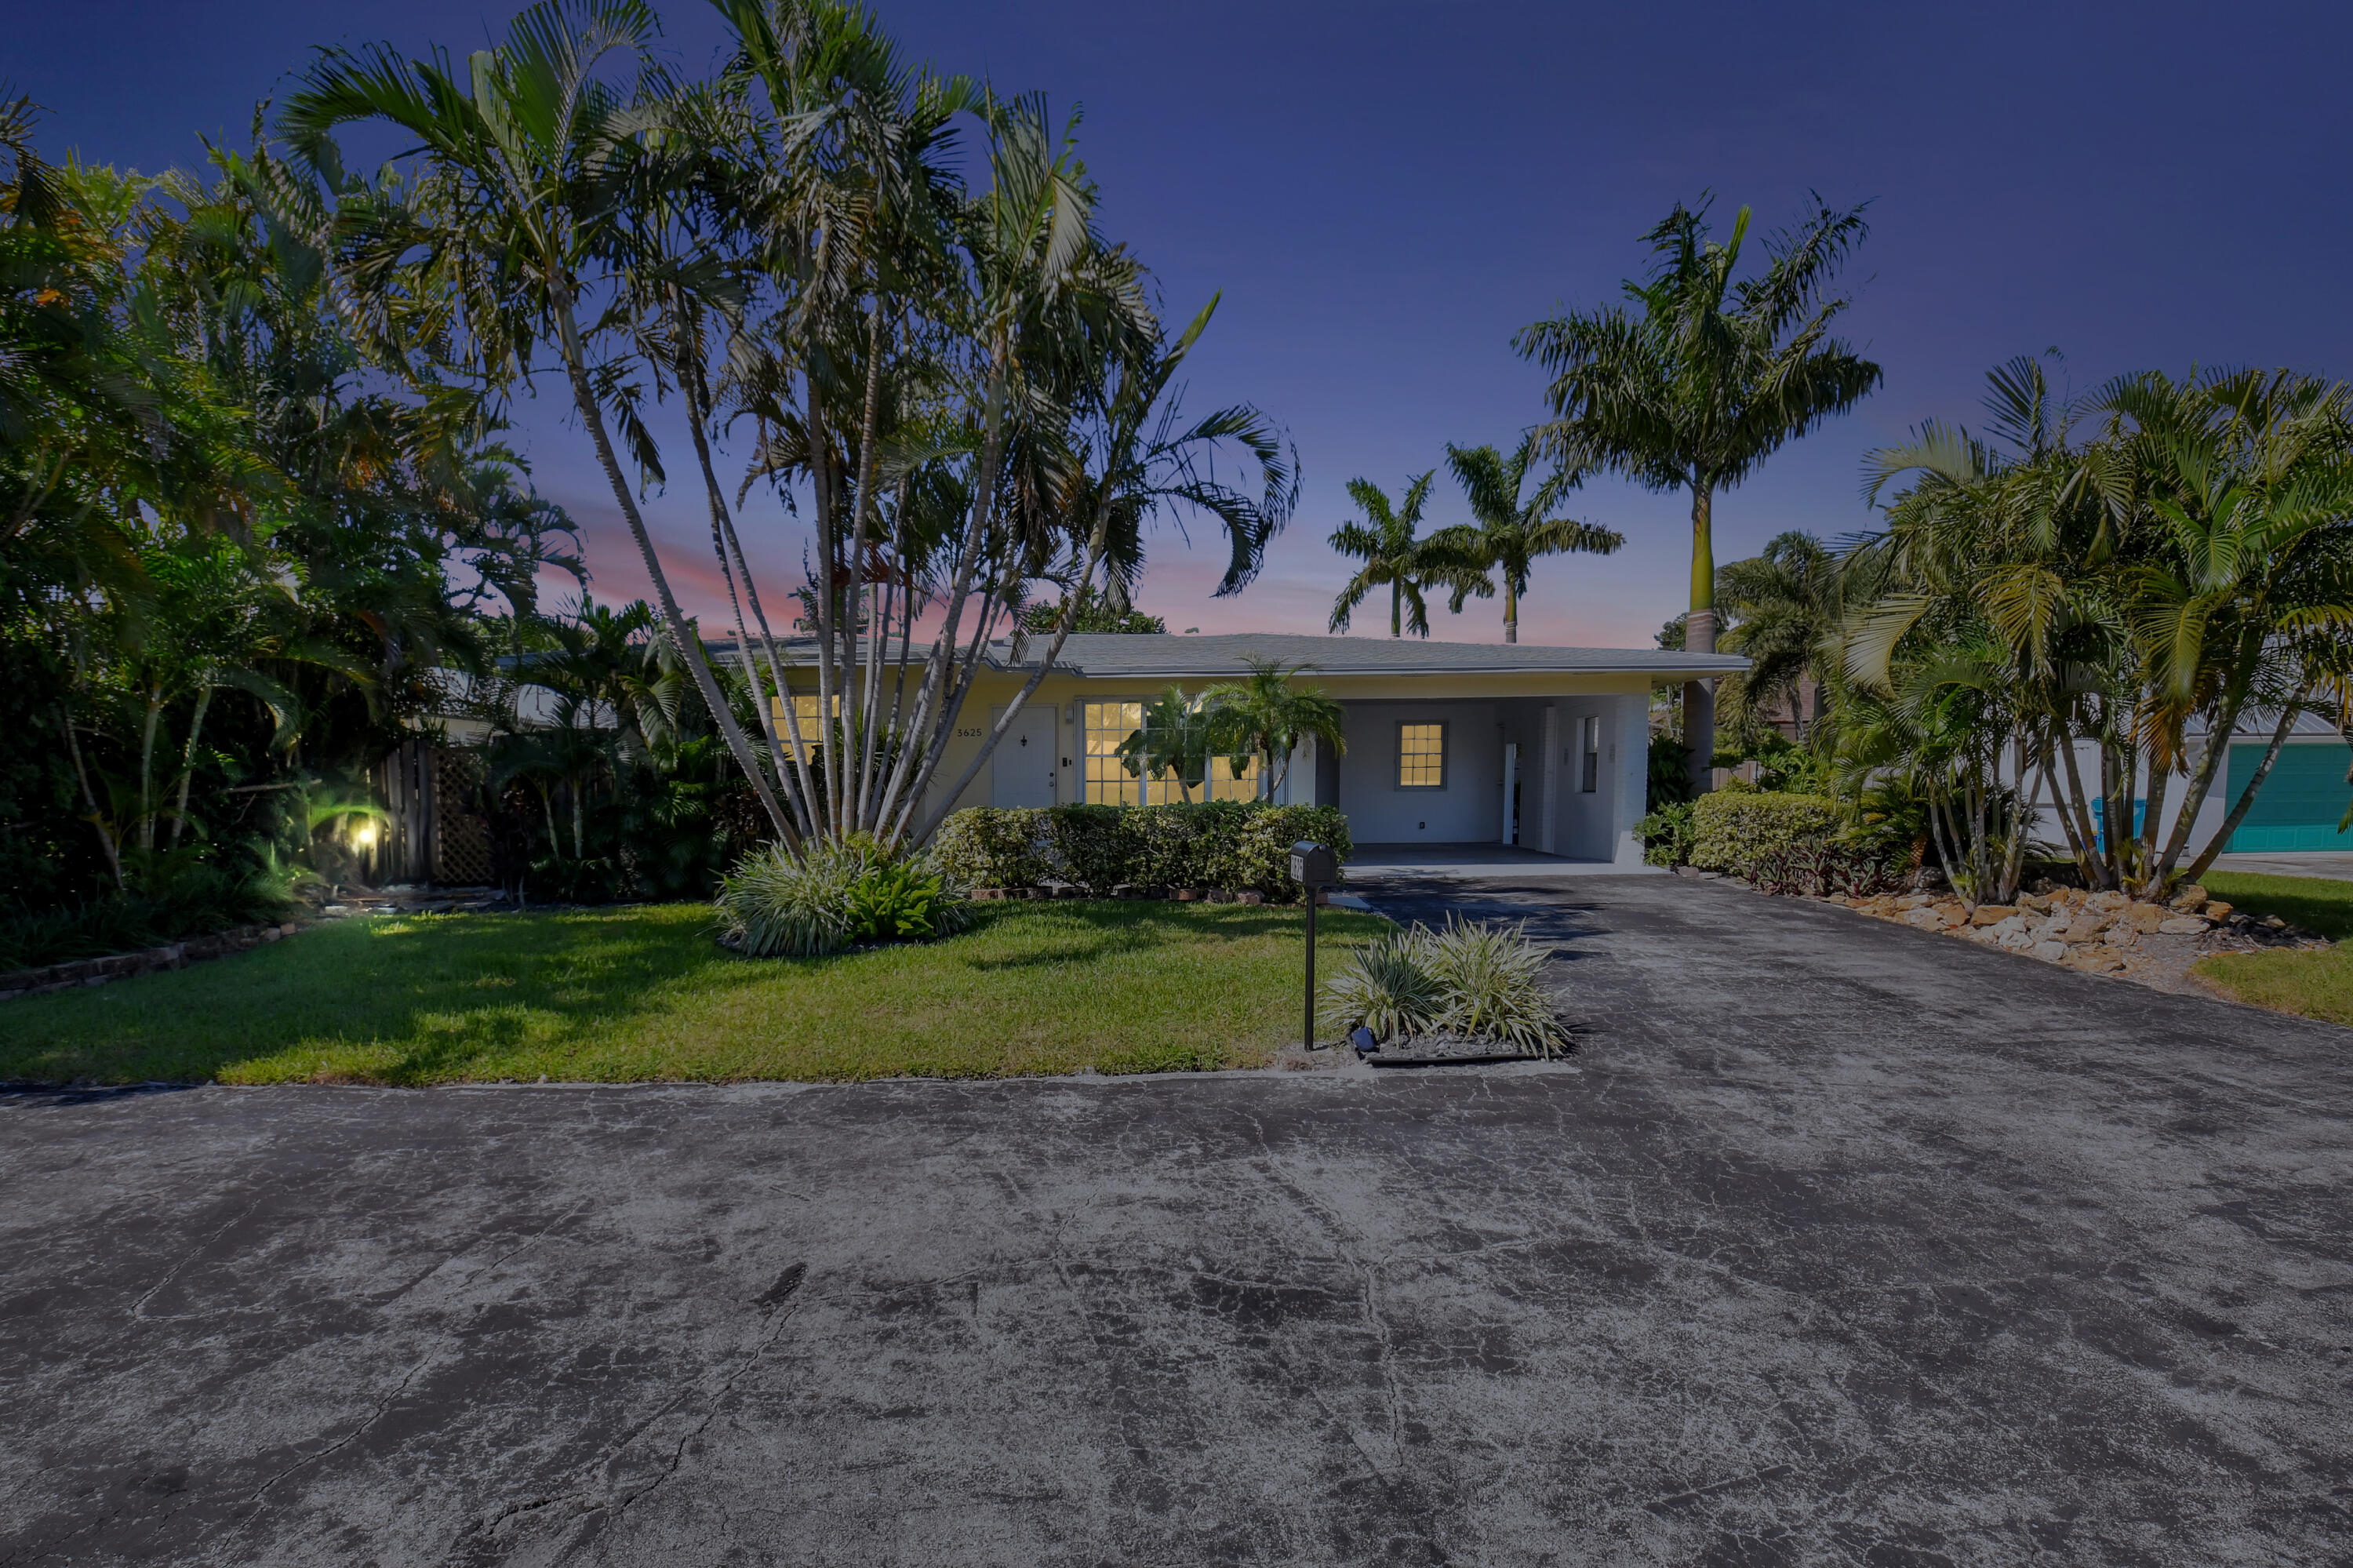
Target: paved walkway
<point x="1844" y="1245"/>
<point x="2337" y="864"/>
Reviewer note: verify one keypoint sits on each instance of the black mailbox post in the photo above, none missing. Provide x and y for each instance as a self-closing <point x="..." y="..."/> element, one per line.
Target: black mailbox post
<point x="1311" y="866"/>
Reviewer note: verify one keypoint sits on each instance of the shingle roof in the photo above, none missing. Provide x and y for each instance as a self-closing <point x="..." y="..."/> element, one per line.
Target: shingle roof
<point x="1172" y="656"/>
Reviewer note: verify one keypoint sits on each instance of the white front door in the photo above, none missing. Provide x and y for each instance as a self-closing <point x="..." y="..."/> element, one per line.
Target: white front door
<point x="1021" y="771"/>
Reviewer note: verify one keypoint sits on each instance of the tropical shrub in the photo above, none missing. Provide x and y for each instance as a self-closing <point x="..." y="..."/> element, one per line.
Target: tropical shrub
<point x="835" y="895"/>
<point x="1666" y="834"/>
<point x="906" y="900"/>
<point x="1474" y="979"/>
<point x="778" y="905"/>
<point x="1732" y="830"/>
<point x="1487" y="973"/>
<point x="1385" y="987"/>
<point x="1243" y="846"/>
<point x="1087" y="844"/>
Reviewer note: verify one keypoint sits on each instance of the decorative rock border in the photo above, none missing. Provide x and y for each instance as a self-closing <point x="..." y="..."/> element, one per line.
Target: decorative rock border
<point x="2098" y="933"/>
<point x="122" y="966"/>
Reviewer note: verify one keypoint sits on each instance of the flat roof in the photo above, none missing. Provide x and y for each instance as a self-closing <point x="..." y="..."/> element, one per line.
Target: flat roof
<point x="1224" y="655"/>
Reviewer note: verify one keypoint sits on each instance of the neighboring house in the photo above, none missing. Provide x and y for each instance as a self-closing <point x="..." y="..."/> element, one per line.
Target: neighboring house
<point x="1447" y="743"/>
<point x="2298" y="807"/>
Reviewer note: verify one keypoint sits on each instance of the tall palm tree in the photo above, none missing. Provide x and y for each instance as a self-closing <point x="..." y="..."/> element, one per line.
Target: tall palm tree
<point x="1513" y="530"/>
<point x="1700" y="377"/>
<point x="1267" y="717"/>
<point x="1394" y="558"/>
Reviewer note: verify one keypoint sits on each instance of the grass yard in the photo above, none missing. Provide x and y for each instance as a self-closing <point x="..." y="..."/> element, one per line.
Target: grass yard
<point x="627" y="995"/>
<point x="2315" y="984"/>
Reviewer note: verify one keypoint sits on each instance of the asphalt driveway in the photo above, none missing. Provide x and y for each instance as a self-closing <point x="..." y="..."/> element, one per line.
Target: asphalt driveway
<point x="1841" y="1243"/>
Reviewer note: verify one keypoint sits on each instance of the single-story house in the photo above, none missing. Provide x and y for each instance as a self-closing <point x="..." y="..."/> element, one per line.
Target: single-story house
<point x="2297" y="810"/>
<point x="1446" y="743"/>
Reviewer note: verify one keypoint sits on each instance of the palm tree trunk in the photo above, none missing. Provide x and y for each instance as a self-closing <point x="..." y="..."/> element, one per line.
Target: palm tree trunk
<point x="1699" y="637"/>
<point x="90" y="801"/>
<point x="689" y="645"/>
<point x="188" y="762"/>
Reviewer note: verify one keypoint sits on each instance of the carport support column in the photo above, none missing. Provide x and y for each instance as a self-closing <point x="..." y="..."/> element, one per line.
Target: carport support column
<point x="1549" y="829"/>
<point x="1630" y="770"/>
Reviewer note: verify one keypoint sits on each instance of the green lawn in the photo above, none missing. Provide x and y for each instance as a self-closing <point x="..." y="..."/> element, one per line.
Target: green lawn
<point x="2316" y="984"/>
<point x="2319" y="904"/>
<point x="644" y="993"/>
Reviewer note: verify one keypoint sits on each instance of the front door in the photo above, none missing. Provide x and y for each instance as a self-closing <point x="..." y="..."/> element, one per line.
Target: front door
<point x="1021" y="771"/>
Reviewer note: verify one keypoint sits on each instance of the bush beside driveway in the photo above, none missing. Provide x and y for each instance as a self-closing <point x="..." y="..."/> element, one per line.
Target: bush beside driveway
<point x="1841" y="1243"/>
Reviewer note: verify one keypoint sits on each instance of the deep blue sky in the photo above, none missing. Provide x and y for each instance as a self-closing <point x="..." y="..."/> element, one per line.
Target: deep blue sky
<point x="1386" y="192"/>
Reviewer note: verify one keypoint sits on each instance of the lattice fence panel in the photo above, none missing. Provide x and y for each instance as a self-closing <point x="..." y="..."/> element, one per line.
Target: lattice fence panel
<point x="461" y="841"/>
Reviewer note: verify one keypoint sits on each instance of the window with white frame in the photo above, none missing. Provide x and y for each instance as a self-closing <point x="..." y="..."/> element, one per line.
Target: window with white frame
<point x="1107" y="726"/>
<point x="1589" y="767"/>
<point x="1421" y="756"/>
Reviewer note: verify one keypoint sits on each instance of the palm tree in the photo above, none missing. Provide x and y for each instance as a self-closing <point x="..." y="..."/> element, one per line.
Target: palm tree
<point x="1267" y="717"/>
<point x="1700" y="377"/>
<point x="1395" y="559"/>
<point x="1512" y="529"/>
<point x="1788" y="612"/>
<point x="514" y="224"/>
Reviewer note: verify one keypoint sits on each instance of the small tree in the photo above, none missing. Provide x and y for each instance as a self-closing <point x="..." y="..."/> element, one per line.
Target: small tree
<point x="1268" y="716"/>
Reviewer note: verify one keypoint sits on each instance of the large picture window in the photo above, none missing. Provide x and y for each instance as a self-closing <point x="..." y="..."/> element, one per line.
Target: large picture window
<point x="1107" y="726"/>
<point x="1421" y="756"/>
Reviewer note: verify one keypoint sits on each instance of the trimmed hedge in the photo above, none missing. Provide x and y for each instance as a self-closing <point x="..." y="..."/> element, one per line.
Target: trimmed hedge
<point x="1243" y="846"/>
<point x="1734" y="830"/>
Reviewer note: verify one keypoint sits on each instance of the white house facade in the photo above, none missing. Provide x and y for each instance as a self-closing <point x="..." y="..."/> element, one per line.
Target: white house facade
<point x="1446" y="742"/>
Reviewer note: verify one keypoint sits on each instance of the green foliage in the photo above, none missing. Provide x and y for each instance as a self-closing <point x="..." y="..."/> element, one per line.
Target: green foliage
<point x="905" y="901"/>
<point x="835" y="895"/>
<point x="997" y="846"/>
<point x="1669" y="777"/>
<point x="1096" y="613"/>
<point x="197" y="900"/>
<point x="1242" y="846"/>
<point x="1666" y="834"/>
<point x="1474" y="979"/>
<point x="1386" y="987"/>
<point x="1732" y="830"/>
<point x="777" y="904"/>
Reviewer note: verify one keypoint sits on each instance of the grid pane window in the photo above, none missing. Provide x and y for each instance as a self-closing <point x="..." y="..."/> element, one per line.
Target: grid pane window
<point x="1108" y="783"/>
<point x="805" y="712"/>
<point x="1421" y="756"/>
<point x="1108" y="724"/>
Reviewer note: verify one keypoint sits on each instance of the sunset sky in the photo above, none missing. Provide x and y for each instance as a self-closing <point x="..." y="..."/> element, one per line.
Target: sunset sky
<point x="1384" y="193"/>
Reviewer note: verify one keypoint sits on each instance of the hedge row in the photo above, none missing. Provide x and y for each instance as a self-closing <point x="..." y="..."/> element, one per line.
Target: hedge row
<point x="1238" y="845"/>
<point x="1734" y="830"/>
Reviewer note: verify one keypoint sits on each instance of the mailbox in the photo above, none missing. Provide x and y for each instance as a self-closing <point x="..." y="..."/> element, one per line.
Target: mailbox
<point x="1313" y="866"/>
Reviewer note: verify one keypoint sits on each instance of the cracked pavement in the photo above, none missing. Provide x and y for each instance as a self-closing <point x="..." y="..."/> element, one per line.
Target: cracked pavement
<point x="1839" y="1243"/>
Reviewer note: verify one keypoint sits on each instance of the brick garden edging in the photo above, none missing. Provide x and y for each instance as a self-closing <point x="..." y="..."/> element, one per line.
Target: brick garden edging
<point x="123" y="966"/>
